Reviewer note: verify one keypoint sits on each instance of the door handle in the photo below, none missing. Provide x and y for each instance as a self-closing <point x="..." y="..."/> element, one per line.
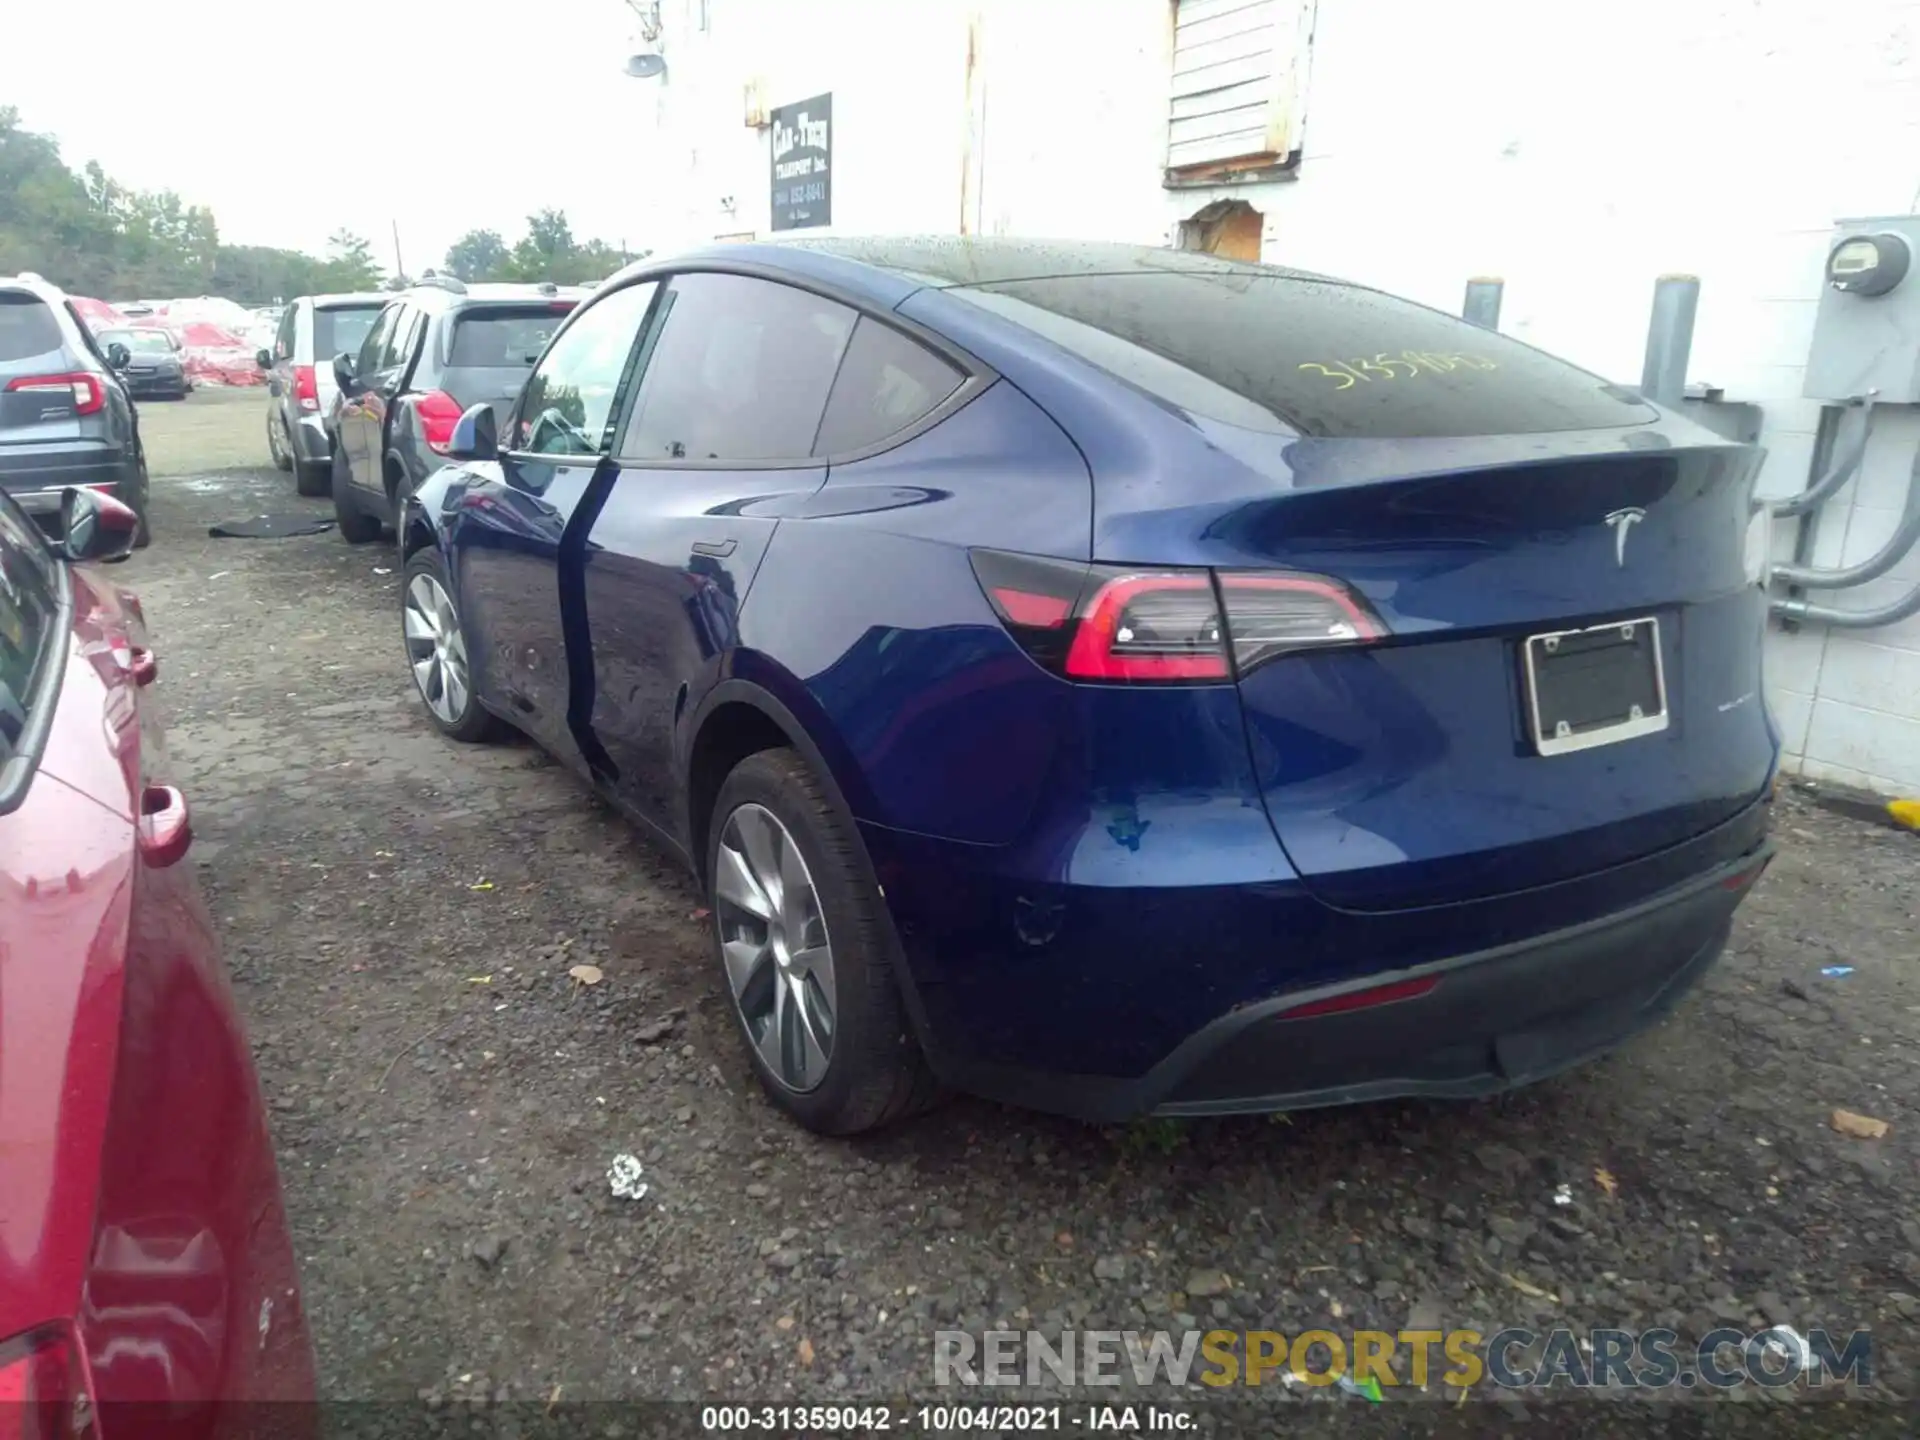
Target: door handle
<point x="718" y="548"/>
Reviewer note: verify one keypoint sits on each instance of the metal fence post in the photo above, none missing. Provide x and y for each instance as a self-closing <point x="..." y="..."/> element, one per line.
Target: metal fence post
<point x="1483" y="302"/>
<point x="1676" y="299"/>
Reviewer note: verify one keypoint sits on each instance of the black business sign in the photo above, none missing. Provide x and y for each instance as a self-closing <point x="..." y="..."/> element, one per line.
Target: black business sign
<point x="803" y="164"/>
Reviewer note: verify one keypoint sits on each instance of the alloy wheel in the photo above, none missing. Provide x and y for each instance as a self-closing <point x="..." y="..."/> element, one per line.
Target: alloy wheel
<point x="274" y="446"/>
<point x="773" y="937"/>
<point x="436" y="649"/>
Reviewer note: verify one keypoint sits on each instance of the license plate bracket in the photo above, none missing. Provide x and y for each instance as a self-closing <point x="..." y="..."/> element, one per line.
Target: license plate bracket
<point x="1595" y="686"/>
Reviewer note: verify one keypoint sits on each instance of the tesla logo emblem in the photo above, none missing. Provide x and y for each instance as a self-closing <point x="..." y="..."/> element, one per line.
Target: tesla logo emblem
<point x="1620" y="522"/>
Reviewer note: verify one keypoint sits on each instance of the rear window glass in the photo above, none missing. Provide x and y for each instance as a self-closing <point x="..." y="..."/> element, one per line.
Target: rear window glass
<point x="27" y="328"/>
<point x="1326" y="359"/>
<point x="342" y="332"/>
<point x="140" y="342"/>
<point x="886" y="382"/>
<point x="503" y="339"/>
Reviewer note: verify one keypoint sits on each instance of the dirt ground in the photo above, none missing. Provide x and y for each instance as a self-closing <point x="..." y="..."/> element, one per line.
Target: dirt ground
<point x="400" y="916"/>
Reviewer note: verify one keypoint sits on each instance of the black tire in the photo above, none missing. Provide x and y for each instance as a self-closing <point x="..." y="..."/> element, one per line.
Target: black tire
<point x="143" y="537"/>
<point x="279" y="445"/>
<point x="356" y="526"/>
<point x="473" y="725"/>
<point x="875" y="1073"/>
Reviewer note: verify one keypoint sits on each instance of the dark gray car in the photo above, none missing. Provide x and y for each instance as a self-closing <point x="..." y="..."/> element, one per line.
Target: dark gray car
<point x="300" y="390"/>
<point x="65" y="415"/>
<point x="157" y="361"/>
<point x="435" y="350"/>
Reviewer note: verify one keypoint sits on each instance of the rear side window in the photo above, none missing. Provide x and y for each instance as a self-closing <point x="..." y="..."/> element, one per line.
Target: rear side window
<point x="401" y="336"/>
<point x="29" y="608"/>
<point x="27" y="328"/>
<point x="740" y="372"/>
<point x="342" y="332"/>
<point x="1282" y="352"/>
<point x="283" y="338"/>
<point x="886" y="383"/>
<point x="374" y="346"/>
<point x="502" y="339"/>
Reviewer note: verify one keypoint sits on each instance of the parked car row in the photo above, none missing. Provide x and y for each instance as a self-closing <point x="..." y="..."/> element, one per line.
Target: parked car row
<point x="1117" y="681"/>
<point x="364" y="390"/>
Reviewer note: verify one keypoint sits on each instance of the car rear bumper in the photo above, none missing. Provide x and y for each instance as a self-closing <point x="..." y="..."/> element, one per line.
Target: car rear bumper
<point x="35" y="477"/>
<point x="157" y="385"/>
<point x="1118" y="1003"/>
<point x="1491" y="1021"/>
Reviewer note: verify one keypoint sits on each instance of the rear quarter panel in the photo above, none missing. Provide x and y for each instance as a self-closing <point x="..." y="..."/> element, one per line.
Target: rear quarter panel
<point x="865" y="619"/>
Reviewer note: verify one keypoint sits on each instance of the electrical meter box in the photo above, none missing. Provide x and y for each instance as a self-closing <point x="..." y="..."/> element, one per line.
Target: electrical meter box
<point x="1866" y="334"/>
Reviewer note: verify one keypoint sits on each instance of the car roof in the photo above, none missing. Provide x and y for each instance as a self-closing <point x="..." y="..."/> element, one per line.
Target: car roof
<point x="30" y="284"/>
<point x="344" y="301"/>
<point x="885" y="270"/>
<point x="440" y="299"/>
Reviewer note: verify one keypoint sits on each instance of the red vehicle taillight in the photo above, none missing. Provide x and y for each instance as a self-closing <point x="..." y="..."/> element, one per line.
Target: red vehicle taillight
<point x="439" y="412"/>
<point x="1145" y="625"/>
<point x="89" y="395"/>
<point x="43" y="1391"/>
<point x="306" y="390"/>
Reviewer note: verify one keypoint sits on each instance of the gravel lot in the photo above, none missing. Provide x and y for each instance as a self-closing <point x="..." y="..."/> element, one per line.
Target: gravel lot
<point x="401" y="915"/>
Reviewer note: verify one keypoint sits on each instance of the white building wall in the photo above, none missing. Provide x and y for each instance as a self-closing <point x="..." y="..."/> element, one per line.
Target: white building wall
<point x="1578" y="152"/>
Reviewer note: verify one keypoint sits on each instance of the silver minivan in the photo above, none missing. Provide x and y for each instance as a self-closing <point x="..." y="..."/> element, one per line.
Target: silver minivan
<point x="300" y="384"/>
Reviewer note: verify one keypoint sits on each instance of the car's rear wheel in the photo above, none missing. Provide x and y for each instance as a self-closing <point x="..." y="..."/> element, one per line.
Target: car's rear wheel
<point x="276" y="445"/>
<point x="312" y="481"/>
<point x="807" y="952"/>
<point x="143" y="536"/>
<point x="356" y="526"/>
<point x="436" y="645"/>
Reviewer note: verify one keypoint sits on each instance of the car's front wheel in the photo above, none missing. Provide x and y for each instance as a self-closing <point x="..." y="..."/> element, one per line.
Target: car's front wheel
<point x="437" y="655"/>
<point x="808" y="952"/>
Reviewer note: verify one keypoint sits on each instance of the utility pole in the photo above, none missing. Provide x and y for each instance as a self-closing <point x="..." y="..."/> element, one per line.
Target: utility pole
<point x="399" y="265"/>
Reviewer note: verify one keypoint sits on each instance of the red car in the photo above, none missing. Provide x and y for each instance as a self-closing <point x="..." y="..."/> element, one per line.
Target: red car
<point x="147" y="1279"/>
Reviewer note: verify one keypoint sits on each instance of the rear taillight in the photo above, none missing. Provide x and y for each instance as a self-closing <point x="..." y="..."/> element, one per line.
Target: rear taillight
<point x="1144" y="625"/>
<point x="306" y="389"/>
<point x="43" y="1391"/>
<point x="439" y="412"/>
<point x="88" y="394"/>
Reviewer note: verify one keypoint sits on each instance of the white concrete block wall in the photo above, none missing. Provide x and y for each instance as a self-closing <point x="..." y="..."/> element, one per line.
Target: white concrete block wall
<point x="1579" y="152"/>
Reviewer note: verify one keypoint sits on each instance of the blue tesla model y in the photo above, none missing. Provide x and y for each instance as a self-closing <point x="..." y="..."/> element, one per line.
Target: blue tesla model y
<point x="1119" y="680"/>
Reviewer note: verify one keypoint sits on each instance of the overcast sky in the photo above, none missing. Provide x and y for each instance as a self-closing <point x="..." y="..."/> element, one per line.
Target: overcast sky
<point x="292" y="120"/>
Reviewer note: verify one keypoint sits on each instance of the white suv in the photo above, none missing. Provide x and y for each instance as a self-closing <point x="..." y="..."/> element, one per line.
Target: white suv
<point x="300" y="387"/>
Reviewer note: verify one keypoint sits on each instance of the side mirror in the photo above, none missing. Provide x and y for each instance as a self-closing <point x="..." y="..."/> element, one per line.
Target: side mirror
<point x="95" y="527"/>
<point x="118" y="356"/>
<point x="263" y="358"/>
<point x="476" y="435"/>
<point x="343" y="374"/>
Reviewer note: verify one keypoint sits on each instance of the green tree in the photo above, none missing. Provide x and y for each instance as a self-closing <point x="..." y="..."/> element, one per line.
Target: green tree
<point x="479" y="255"/>
<point x="350" y="263"/>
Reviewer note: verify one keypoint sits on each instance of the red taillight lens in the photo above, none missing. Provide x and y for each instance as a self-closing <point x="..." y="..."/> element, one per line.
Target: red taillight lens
<point x="88" y="394"/>
<point x="43" y="1395"/>
<point x="439" y="412"/>
<point x="306" y="390"/>
<point x="1365" y="999"/>
<point x="1118" y="624"/>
